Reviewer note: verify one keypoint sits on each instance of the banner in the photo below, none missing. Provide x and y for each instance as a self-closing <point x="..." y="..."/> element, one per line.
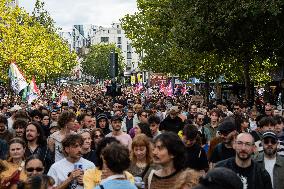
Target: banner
<point x="18" y="82"/>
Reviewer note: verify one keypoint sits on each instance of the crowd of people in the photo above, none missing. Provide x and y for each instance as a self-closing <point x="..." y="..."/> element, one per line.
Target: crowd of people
<point x="145" y="140"/>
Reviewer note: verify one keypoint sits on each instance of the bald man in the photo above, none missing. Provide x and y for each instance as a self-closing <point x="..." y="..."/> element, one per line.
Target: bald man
<point x="252" y="175"/>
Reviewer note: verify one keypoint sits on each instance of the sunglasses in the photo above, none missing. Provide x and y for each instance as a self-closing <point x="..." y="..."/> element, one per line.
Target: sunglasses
<point x="267" y="141"/>
<point x="37" y="169"/>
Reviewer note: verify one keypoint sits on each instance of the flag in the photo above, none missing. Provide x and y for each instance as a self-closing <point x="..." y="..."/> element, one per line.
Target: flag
<point x="33" y="87"/>
<point x="33" y="91"/>
<point x="162" y="88"/>
<point x="18" y="82"/>
<point x="63" y="98"/>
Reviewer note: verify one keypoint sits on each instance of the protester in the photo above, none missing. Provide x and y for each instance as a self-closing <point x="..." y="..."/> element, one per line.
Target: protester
<point x="93" y="177"/>
<point x="5" y="134"/>
<point x="154" y="123"/>
<point x="188" y="179"/>
<point x="34" y="166"/>
<point x="66" y="123"/>
<point x="72" y="167"/>
<point x="36" y="144"/>
<point x="12" y="169"/>
<point x="172" y="122"/>
<point x="169" y="153"/>
<point x="116" y="159"/>
<point x="195" y="155"/>
<point x="37" y="182"/>
<point x="96" y="135"/>
<point x="141" y="156"/>
<point x="142" y="128"/>
<point x="214" y="123"/>
<point x="252" y="175"/>
<point x="102" y="123"/>
<point x="123" y="138"/>
<point x="270" y="160"/>
<point x="224" y="150"/>
<point x="87" y="152"/>
<point x="19" y="127"/>
<point x="220" y="178"/>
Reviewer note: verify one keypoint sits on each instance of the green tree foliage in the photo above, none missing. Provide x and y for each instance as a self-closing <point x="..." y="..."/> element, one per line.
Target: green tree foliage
<point x="97" y="62"/>
<point x="241" y="40"/>
<point x="35" y="48"/>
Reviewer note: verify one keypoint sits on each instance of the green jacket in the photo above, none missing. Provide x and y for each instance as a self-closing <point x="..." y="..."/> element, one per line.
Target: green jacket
<point x="278" y="171"/>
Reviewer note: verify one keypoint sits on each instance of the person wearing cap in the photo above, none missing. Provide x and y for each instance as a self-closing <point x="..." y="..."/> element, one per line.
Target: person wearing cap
<point x="123" y="138"/>
<point x="224" y="150"/>
<point x="271" y="160"/>
<point x="252" y="174"/>
<point x="172" y="122"/>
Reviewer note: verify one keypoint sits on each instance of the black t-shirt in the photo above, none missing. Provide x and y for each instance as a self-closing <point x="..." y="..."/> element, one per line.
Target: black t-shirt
<point x="245" y="174"/>
<point x="196" y="158"/>
<point x="221" y="152"/>
<point x="91" y="156"/>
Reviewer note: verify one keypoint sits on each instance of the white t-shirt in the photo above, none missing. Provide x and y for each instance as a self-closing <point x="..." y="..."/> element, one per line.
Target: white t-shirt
<point x="59" y="170"/>
<point x="269" y="166"/>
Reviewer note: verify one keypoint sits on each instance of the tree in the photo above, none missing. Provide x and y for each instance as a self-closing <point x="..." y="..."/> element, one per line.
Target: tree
<point x="236" y="39"/>
<point x="37" y="50"/>
<point x="97" y="62"/>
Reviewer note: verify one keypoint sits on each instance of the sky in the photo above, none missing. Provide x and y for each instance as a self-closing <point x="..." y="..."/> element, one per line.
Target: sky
<point x="67" y="13"/>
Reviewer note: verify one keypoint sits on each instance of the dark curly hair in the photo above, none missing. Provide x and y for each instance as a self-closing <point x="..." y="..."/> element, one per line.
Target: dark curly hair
<point x="116" y="157"/>
<point x="101" y="145"/>
<point x="65" y="117"/>
<point x="175" y="147"/>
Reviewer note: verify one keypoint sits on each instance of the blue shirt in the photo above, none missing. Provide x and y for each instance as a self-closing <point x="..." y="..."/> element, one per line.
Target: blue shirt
<point x="117" y="184"/>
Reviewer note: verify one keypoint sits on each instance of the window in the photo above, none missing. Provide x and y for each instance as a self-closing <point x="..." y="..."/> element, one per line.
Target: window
<point x="119" y="46"/>
<point x="118" y="31"/>
<point x="119" y="40"/>
<point x="129" y="49"/>
<point x="129" y="55"/>
<point x="129" y="63"/>
<point x="104" y="39"/>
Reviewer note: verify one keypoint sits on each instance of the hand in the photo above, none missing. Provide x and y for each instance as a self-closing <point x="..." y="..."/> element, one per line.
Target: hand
<point x="75" y="174"/>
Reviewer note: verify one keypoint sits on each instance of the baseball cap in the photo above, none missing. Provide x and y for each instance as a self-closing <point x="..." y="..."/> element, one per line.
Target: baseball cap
<point x="101" y="116"/>
<point x="227" y="126"/>
<point x="116" y="117"/>
<point x="269" y="134"/>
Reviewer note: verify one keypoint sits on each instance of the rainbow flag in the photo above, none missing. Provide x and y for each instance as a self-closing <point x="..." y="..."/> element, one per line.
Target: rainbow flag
<point x="18" y="81"/>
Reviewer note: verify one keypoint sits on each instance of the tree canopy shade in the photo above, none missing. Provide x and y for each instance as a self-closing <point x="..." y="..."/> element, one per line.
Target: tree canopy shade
<point x="37" y="50"/>
<point x="241" y="40"/>
<point x="97" y="62"/>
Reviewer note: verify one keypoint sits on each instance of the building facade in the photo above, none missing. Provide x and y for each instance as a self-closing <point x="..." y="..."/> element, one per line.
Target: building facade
<point x="116" y="35"/>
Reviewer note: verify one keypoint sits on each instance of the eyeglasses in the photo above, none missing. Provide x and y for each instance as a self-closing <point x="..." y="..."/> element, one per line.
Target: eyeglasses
<point x="32" y="169"/>
<point x="247" y="144"/>
<point x="268" y="110"/>
<point x="269" y="140"/>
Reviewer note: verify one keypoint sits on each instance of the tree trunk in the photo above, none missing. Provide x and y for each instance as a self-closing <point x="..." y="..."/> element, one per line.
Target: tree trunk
<point x="207" y="91"/>
<point x="247" y="80"/>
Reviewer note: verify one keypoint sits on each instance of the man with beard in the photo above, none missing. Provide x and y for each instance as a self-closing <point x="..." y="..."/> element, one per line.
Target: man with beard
<point x="224" y="150"/>
<point x="68" y="172"/>
<point x="123" y="138"/>
<point x="270" y="160"/>
<point x="36" y="144"/>
<point x="252" y="174"/>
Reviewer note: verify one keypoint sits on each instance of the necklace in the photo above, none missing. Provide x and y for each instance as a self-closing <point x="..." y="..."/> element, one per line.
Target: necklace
<point x="141" y="164"/>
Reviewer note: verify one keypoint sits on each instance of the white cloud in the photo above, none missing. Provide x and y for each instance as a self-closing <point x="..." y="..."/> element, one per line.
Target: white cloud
<point x="98" y="12"/>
